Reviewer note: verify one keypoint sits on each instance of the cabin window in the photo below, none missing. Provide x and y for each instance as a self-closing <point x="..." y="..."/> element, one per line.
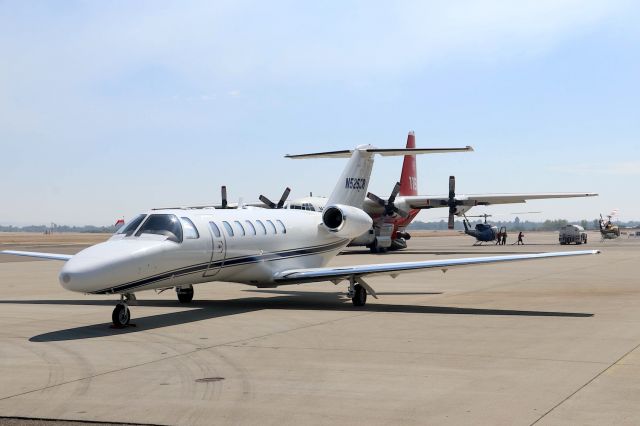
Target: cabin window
<point x="129" y="228"/>
<point x="189" y="229"/>
<point x="162" y="224"/>
<point x="272" y="227"/>
<point x="228" y="228"/>
<point x="250" y="227"/>
<point x="283" y="229"/>
<point x="261" y="226"/>
<point x="215" y="229"/>
<point x="239" y="227"/>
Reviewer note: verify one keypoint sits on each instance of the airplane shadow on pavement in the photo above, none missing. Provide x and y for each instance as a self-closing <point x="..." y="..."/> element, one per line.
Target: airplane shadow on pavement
<point x="200" y="310"/>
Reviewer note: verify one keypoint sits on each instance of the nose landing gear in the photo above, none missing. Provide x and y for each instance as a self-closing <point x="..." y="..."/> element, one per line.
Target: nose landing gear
<point x="121" y="314"/>
<point x="185" y="294"/>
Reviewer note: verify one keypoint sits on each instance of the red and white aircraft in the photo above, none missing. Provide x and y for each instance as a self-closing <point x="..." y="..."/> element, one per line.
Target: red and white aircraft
<point x="391" y="215"/>
<point x="177" y="248"/>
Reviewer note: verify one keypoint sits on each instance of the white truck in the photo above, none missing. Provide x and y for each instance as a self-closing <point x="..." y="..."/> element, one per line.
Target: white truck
<point x="572" y="234"/>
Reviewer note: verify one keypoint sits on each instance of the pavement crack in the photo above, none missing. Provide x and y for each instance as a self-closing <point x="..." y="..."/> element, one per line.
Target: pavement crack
<point x="586" y="384"/>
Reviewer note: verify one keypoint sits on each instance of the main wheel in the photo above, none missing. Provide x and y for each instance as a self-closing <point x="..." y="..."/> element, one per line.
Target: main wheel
<point x="121" y="315"/>
<point x="359" y="295"/>
<point x="185" y="295"/>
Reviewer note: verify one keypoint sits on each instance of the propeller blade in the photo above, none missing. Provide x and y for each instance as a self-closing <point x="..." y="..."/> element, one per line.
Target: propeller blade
<point x="400" y="212"/>
<point x="267" y="201"/>
<point x="394" y="193"/>
<point x="452" y="187"/>
<point x="450" y="224"/>
<point x="284" y="197"/>
<point x="375" y="198"/>
<point x="224" y="196"/>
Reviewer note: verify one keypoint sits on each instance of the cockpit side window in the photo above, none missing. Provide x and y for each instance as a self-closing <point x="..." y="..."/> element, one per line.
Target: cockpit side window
<point x="190" y="230"/>
<point x="130" y="227"/>
<point x="162" y="224"/>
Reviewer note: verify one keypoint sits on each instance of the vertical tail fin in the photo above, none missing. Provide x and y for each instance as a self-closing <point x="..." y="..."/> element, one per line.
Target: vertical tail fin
<point x="409" y="176"/>
<point x="354" y="181"/>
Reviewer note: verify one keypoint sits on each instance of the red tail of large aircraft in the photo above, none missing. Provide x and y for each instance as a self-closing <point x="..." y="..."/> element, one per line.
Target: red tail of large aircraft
<point x="409" y="176"/>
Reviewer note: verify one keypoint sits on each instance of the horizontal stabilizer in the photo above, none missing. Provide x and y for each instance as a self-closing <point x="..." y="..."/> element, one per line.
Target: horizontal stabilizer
<point x="52" y="256"/>
<point x="386" y="152"/>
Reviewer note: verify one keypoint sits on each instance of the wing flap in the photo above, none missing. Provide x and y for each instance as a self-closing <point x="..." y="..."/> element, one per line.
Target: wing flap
<point x="296" y="276"/>
<point x="51" y="256"/>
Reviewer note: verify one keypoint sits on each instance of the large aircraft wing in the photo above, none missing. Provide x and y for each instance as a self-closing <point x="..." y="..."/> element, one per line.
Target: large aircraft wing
<point x="52" y="256"/>
<point x="297" y="276"/>
<point x="429" y="202"/>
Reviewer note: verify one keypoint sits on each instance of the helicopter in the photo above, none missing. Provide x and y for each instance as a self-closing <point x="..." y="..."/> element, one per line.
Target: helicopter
<point x="485" y="232"/>
<point x="609" y="231"/>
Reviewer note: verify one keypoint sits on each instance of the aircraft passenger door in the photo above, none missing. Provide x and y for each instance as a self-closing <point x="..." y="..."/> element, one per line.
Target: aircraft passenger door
<point x="218" y="250"/>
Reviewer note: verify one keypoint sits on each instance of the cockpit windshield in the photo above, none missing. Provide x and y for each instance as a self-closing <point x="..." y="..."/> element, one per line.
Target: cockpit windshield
<point x="162" y="224"/>
<point x="129" y="228"/>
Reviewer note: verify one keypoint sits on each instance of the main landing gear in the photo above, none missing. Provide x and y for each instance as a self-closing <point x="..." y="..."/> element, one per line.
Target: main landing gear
<point x="121" y="314"/>
<point x="185" y="294"/>
<point x="358" y="292"/>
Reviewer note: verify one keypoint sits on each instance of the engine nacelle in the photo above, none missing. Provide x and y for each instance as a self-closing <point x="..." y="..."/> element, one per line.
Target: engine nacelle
<point x="346" y="221"/>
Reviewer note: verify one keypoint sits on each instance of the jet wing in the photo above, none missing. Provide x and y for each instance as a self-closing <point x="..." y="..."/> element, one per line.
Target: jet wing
<point x="428" y="202"/>
<point x="297" y="276"/>
<point x="52" y="256"/>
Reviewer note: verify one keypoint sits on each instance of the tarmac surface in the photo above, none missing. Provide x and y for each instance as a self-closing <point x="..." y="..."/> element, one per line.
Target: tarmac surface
<point x="550" y="342"/>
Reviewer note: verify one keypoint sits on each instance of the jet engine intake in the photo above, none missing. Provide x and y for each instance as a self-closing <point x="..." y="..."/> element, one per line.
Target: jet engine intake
<point x="346" y="221"/>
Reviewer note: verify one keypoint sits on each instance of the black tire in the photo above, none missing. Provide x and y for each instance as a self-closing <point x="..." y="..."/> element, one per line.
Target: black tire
<point x="185" y="295"/>
<point x="359" y="295"/>
<point x="121" y="315"/>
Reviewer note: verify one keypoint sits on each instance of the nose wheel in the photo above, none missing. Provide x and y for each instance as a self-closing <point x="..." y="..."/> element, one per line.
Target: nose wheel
<point x="185" y="294"/>
<point x="121" y="315"/>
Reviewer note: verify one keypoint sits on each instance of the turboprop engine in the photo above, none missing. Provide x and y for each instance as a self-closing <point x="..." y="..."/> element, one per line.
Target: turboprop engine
<point x="346" y="221"/>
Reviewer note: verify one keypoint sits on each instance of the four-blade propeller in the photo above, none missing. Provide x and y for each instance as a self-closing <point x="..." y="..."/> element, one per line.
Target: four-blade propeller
<point x="389" y="206"/>
<point x="452" y="202"/>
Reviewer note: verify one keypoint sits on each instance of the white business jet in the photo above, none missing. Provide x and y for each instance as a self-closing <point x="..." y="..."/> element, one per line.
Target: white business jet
<point x="177" y="248"/>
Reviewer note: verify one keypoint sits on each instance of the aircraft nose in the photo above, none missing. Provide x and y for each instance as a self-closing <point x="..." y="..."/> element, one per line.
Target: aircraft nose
<point x="103" y="266"/>
<point x="81" y="276"/>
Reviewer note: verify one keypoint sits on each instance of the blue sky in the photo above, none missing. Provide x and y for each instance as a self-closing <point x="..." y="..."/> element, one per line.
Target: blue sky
<point x="110" y="108"/>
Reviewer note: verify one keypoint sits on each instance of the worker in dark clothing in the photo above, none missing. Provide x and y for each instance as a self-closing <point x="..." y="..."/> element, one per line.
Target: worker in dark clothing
<point x="504" y="238"/>
<point x="520" y="237"/>
<point x="498" y="238"/>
